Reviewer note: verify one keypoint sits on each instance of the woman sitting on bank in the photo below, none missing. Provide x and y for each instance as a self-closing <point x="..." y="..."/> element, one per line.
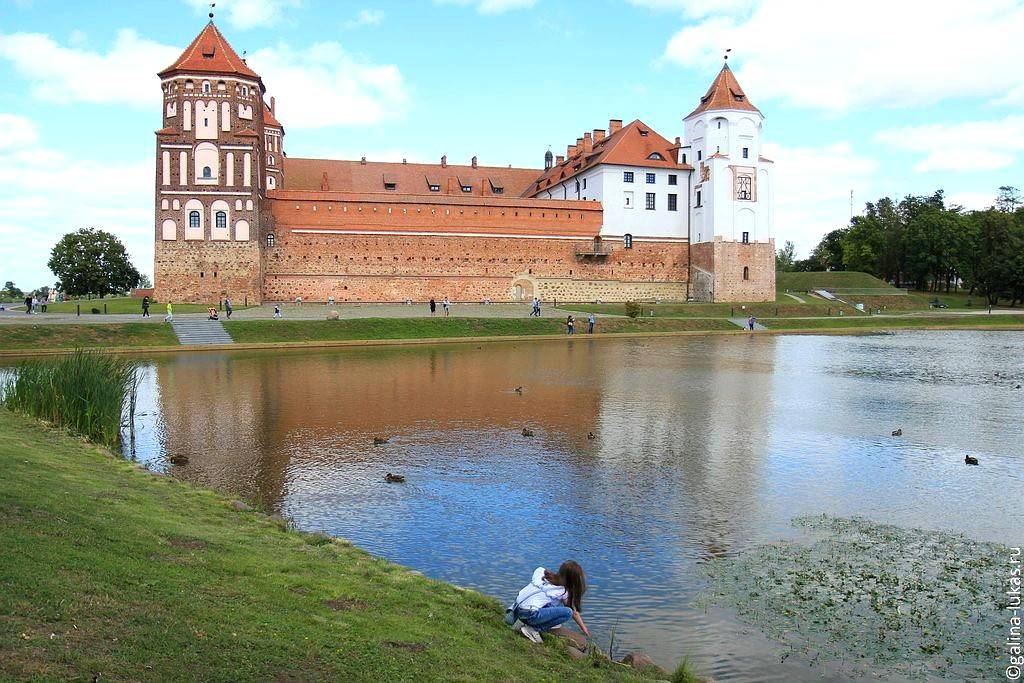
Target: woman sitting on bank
<point x="213" y="313"/>
<point x="550" y="600"/>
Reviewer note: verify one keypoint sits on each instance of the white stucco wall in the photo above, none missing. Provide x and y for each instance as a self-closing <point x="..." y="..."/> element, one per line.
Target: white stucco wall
<point x="727" y="134"/>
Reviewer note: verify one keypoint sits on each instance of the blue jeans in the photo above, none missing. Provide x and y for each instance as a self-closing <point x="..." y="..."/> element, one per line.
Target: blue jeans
<point x="545" y="618"/>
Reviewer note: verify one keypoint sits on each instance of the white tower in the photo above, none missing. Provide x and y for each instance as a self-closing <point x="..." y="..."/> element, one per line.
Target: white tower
<point x="731" y="195"/>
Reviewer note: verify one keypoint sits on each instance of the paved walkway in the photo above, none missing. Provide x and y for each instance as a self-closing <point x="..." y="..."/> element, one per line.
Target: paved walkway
<point x="311" y="311"/>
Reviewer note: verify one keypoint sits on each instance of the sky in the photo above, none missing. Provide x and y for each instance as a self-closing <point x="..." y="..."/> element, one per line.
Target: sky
<point x="881" y="98"/>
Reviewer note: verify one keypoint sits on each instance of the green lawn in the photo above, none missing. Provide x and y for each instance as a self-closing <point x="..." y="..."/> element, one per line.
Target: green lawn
<point x="113" y="573"/>
<point x="266" y="331"/>
<point x="885" y="323"/>
<point x="124" y="305"/>
<point x="42" y="336"/>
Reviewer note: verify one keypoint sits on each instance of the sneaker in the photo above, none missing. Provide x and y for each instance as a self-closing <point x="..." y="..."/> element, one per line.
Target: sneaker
<point x="531" y="633"/>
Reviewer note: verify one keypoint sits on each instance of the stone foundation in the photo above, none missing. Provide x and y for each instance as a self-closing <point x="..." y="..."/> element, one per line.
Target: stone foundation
<point x="733" y="271"/>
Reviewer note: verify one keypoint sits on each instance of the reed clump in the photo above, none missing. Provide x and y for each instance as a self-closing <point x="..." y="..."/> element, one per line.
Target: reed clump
<point x="90" y="394"/>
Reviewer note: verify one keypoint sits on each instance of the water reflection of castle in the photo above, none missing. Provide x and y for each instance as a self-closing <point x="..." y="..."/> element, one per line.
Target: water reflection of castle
<point x="700" y="417"/>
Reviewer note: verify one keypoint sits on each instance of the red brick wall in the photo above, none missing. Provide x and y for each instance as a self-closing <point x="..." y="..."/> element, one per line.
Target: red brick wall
<point x="539" y="239"/>
<point x="725" y="260"/>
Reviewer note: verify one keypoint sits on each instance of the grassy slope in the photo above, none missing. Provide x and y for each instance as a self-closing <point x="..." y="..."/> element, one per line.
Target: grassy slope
<point x="111" y="571"/>
<point x="803" y="282"/>
<point x="252" y="331"/>
<point x="783" y="307"/>
<point x="25" y="336"/>
<point x="884" y="323"/>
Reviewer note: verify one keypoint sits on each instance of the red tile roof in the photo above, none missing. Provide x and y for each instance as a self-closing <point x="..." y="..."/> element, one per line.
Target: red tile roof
<point x="356" y="176"/>
<point x="210" y="53"/>
<point x="631" y="145"/>
<point x="725" y="93"/>
<point x="166" y="131"/>
<point x="269" y="119"/>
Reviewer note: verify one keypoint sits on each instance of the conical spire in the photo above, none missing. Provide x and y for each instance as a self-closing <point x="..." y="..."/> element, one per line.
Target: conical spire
<point x="210" y="53"/>
<point x="725" y="93"/>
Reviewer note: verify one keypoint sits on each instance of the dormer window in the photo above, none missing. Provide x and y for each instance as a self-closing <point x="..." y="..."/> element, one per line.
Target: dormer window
<point x="389" y="186"/>
<point x="467" y="188"/>
<point x="434" y="188"/>
<point x="643" y="133"/>
<point x="655" y="156"/>
<point x="497" y="190"/>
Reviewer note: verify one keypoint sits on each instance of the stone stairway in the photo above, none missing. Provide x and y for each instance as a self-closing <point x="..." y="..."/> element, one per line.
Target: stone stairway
<point x="742" y="322"/>
<point x="197" y="331"/>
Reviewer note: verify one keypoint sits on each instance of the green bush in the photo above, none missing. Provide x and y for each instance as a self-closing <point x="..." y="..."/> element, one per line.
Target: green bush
<point x="633" y="309"/>
<point x="85" y="392"/>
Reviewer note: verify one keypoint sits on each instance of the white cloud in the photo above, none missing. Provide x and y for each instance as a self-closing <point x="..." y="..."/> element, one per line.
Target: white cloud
<point x="838" y="56"/>
<point x="45" y="193"/>
<point x="967" y="146"/>
<point x="366" y="17"/>
<point x="325" y="86"/>
<point x="696" y="8"/>
<point x="319" y="86"/>
<point x="125" y="74"/>
<point x="16" y="132"/>
<point x="971" y="200"/>
<point x="812" y="190"/>
<point x="491" y="6"/>
<point x="246" y="14"/>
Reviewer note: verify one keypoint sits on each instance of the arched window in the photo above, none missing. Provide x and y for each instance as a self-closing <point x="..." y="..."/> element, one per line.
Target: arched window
<point x="270" y="240"/>
<point x="746" y="273"/>
<point x="627" y="241"/>
<point x="207" y="172"/>
<point x="245" y="91"/>
<point x="206" y="86"/>
<point x="193" y="219"/>
<point x="220" y="219"/>
<point x="270" y="159"/>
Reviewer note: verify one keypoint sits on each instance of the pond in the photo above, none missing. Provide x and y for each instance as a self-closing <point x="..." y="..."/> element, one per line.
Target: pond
<point x="703" y="447"/>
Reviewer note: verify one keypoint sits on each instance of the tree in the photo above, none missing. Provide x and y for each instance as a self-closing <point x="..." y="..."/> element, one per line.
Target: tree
<point x="786" y="257"/>
<point x="42" y="293"/>
<point x="1008" y="199"/>
<point x="10" y="291"/>
<point x="144" y="282"/>
<point x="92" y="261"/>
<point x="828" y="255"/>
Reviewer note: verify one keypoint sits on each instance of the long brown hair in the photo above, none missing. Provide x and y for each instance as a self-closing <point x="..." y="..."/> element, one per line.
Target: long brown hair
<point x="570" y="576"/>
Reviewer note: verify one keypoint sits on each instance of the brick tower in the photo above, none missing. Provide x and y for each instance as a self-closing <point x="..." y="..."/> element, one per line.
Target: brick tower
<point x="211" y="175"/>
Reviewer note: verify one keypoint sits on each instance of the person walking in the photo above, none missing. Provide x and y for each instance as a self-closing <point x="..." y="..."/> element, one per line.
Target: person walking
<point x="750" y="323"/>
<point x="170" y="313"/>
<point x="536" y="307"/>
<point x="570" y="325"/>
<point x="433" y="307"/>
<point x="591" y="319"/>
<point x="227" y="308"/>
<point x="35" y="305"/>
<point x="277" y="311"/>
<point x="447" y="306"/>
<point x="145" y="307"/>
<point x="28" y="305"/>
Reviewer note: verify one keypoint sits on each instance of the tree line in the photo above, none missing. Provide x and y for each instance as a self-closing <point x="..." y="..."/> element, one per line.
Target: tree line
<point x="922" y="243"/>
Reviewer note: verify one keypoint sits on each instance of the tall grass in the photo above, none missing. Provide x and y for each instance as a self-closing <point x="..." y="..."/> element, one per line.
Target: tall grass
<point x="85" y="392"/>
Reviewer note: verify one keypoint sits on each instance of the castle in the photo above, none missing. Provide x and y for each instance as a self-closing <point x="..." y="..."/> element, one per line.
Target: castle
<point x="625" y="214"/>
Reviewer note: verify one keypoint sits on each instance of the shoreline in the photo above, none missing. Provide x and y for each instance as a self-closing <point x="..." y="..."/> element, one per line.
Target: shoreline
<point x="437" y="341"/>
<point x="276" y="602"/>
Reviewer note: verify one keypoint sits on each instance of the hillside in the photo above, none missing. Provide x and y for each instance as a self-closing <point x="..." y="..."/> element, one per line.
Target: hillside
<point x="833" y="281"/>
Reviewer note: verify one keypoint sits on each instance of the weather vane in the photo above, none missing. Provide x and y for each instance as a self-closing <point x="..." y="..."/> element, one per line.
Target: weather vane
<point x="727" y="51"/>
<point x="212" y="5"/>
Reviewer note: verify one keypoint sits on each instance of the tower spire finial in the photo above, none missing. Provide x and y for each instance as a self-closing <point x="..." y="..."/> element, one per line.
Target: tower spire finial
<point x="725" y="58"/>
<point x="212" y="6"/>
